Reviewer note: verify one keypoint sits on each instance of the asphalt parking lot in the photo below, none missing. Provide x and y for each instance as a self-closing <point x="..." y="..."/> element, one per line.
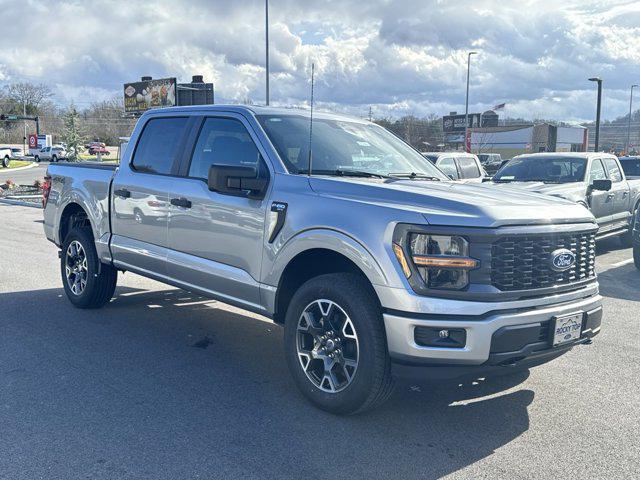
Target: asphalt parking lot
<point x="164" y="384"/>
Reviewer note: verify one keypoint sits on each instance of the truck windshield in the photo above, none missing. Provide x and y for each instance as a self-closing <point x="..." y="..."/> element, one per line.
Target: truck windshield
<point x="341" y="147"/>
<point x="543" y="169"/>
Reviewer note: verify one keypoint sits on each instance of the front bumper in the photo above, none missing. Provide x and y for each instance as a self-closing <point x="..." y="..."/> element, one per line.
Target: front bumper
<point x="495" y="337"/>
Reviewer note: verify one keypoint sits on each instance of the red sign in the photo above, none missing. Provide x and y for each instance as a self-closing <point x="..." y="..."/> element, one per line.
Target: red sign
<point x="33" y="141"/>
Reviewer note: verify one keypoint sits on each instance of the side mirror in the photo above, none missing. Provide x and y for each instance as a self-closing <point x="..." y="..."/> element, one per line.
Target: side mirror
<point x="237" y="180"/>
<point x="451" y="176"/>
<point x="602" y="185"/>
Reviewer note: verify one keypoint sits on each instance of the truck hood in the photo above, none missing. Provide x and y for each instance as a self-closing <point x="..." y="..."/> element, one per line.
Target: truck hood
<point x="452" y="204"/>
<point x="574" y="191"/>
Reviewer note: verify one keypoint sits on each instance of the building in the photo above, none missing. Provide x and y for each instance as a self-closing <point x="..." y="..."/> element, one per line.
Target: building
<point x="513" y="140"/>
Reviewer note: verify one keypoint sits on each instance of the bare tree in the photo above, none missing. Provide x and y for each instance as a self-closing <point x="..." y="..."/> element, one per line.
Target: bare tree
<point x="28" y="96"/>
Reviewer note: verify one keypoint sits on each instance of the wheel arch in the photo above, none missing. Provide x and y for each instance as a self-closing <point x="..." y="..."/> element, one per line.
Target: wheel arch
<point x="315" y="253"/>
<point x="72" y="215"/>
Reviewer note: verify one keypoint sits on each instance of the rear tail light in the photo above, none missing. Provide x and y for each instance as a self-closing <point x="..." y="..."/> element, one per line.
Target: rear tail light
<point x="46" y="190"/>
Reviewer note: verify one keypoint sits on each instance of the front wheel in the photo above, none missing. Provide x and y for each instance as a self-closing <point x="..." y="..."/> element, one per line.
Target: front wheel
<point x="87" y="282"/>
<point x="636" y="254"/>
<point x="626" y="239"/>
<point x="36" y="159"/>
<point x="54" y="159"/>
<point x="335" y="344"/>
<point x="5" y="162"/>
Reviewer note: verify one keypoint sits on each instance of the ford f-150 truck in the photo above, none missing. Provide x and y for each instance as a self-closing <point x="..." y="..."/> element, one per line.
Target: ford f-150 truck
<point x="595" y="180"/>
<point x="369" y="256"/>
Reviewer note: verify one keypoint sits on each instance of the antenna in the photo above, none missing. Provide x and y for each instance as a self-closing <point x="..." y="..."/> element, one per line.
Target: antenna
<point x="311" y="121"/>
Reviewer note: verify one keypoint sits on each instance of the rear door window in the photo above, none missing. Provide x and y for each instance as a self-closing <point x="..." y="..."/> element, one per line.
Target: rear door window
<point x="468" y="167"/>
<point x="159" y="145"/>
<point x="612" y="168"/>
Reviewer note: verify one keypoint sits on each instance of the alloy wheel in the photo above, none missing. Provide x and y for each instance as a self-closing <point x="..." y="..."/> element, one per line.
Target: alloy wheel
<point x="76" y="267"/>
<point x="327" y="346"/>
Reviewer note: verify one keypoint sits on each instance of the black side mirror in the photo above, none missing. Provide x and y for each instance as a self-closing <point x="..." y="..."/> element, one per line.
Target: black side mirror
<point x="451" y="176"/>
<point x="602" y="185"/>
<point x="237" y="180"/>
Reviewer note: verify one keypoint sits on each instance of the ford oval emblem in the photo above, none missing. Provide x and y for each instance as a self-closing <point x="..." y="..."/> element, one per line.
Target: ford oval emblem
<point x="562" y="259"/>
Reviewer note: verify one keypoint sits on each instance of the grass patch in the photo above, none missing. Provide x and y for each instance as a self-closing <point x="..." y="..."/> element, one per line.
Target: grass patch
<point x="94" y="158"/>
<point x="18" y="163"/>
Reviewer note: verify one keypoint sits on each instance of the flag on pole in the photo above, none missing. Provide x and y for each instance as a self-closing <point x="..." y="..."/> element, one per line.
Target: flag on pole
<point x="500" y="106"/>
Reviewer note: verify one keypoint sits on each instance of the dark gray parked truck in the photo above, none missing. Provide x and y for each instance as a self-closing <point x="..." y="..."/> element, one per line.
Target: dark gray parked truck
<point x="372" y="260"/>
<point x="594" y="180"/>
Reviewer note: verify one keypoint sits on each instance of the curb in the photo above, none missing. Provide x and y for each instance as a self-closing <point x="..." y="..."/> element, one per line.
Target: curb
<point x="33" y="164"/>
<point x="21" y="203"/>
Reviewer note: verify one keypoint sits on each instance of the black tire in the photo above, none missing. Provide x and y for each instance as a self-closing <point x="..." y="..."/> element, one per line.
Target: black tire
<point x="636" y="254"/>
<point x="100" y="279"/>
<point x="5" y="162"/>
<point x="626" y="239"/>
<point x="54" y="158"/>
<point x="36" y="159"/>
<point x="371" y="383"/>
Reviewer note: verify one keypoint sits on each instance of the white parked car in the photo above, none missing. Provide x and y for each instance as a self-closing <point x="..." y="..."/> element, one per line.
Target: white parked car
<point x="459" y="166"/>
<point x="5" y="156"/>
<point x="17" y="153"/>
<point x="52" y="154"/>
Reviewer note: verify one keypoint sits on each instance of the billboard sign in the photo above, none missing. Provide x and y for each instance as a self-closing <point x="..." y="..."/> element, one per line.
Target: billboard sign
<point x="142" y="96"/>
<point x="33" y="140"/>
<point x="455" y="123"/>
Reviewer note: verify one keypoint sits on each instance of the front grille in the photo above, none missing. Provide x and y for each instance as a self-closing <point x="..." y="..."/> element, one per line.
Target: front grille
<point x="523" y="262"/>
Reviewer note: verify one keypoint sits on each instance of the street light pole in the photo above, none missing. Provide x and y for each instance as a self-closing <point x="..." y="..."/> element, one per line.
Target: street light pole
<point x="266" y="24"/>
<point x="597" y="141"/>
<point x="629" y="124"/>
<point x="466" y="103"/>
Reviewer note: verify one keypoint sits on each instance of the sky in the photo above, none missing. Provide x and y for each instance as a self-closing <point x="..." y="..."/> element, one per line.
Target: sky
<point x="397" y="57"/>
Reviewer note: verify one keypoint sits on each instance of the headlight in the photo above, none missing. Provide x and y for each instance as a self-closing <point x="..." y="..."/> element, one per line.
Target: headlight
<point x="442" y="261"/>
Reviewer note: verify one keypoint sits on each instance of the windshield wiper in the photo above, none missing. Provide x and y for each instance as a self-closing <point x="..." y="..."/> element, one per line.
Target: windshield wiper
<point x="350" y="173"/>
<point x="414" y="175"/>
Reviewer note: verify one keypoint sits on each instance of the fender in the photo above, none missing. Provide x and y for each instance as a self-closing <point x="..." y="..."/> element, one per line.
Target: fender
<point x="98" y="219"/>
<point x="317" y="238"/>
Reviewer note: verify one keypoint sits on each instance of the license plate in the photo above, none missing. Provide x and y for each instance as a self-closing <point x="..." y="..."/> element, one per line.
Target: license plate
<point x="567" y="328"/>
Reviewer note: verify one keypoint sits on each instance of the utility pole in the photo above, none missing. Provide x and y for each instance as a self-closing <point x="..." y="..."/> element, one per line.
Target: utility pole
<point x="466" y="103"/>
<point x="24" y="136"/>
<point x="370" y="114"/>
<point x="266" y="29"/>
<point x="597" y="141"/>
<point x="629" y="124"/>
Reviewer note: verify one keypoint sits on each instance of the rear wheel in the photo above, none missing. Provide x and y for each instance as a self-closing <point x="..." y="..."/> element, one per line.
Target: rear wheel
<point x="87" y="282"/>
<point x="636" y="255"/>
<point x="5" y="162"/>
<point x="54" y="158"/>
<point x="36" y="159"/>
<point x="336" y="345"/>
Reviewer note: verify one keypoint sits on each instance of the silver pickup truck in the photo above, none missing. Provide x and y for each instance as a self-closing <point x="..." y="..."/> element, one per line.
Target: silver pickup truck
<point x="596" y="180"/>
<point x="368" y="255"/>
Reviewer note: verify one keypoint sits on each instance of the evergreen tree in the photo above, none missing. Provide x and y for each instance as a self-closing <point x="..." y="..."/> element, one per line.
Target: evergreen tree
<point x="72" y="133"/>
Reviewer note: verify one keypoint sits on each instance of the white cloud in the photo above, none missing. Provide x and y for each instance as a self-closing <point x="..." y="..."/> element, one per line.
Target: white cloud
<point x="399" y="56"/>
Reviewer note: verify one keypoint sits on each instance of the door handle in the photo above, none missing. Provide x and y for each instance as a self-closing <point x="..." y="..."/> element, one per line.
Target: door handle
<point x="181" y="202"/>
<point x="611" y="195"/>
<point x="624" y="194"/>
<point x="123" y="192"/>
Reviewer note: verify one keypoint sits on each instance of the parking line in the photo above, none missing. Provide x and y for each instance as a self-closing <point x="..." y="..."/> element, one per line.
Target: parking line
<point x="623" y="262"/>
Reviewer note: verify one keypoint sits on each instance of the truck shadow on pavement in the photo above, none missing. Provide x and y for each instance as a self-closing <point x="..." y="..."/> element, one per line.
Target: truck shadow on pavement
<point x="166" y="384"/>
<point x="621" y="282"/>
